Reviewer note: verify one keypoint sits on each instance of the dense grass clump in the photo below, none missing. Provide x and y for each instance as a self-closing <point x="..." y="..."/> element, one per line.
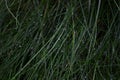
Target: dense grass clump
<point x="59" y="39"/>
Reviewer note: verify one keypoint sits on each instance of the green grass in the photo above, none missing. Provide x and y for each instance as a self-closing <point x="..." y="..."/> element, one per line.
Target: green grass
<point x="59" y="39"/>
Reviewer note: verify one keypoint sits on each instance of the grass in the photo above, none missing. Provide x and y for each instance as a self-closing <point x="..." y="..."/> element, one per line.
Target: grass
<point x="59" y="40"/>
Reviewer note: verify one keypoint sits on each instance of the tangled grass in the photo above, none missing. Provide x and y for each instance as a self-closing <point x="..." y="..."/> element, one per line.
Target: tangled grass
<point x="59" y="39"/>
